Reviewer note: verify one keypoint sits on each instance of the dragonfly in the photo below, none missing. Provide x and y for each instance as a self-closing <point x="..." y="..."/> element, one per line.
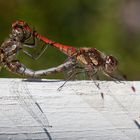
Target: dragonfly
<point x="89" y="61"/>
<point x="80" y="60"/>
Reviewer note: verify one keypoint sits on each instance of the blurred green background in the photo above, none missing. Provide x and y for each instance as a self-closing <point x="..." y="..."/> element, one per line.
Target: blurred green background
<point x="112" y="26"/>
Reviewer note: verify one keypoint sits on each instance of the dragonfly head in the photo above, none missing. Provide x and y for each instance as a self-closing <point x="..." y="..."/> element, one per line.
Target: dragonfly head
<point x="20" y="24"/>
<point x="111" y="64"/>
<point x="21" y="30"/>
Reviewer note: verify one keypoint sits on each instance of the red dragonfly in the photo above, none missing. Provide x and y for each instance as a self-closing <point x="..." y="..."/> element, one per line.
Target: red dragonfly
<point x="85" y="60"/>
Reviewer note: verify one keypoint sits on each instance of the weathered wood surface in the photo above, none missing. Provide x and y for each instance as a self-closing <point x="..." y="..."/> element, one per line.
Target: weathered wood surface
<point x="77" y="112"/>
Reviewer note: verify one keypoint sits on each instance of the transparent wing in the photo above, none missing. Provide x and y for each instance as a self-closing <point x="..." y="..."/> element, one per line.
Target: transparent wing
<point x="116" y="103"/>
<point x="28" y="103"/>
<point x="118" y="106"/>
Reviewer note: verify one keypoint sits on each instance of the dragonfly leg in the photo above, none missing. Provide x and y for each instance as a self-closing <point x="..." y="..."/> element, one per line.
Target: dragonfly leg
<point x="91" y="76"/>
<point x="73" y="74"/>
<point x="37" y="56"/>
<point x="30" y="44"/>
<point x="33" y="45"/>
<point x="70" y="77"/>
<point x="113" y="77"/>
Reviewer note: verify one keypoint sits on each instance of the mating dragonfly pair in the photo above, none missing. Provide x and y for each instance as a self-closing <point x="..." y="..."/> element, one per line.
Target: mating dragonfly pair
<point x="80" y="60"/>
<point x="89" y="61"/>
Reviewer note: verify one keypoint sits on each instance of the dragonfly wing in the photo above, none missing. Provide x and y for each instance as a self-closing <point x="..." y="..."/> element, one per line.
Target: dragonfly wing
<point x="28" y="103"/>
<point x="118" y="106"/>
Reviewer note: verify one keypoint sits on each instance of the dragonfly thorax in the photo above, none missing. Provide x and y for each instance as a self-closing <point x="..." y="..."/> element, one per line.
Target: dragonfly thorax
<point x="90" y="56"/>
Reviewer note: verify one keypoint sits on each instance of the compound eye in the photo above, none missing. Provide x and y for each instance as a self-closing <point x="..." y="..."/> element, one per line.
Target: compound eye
<point x="111" y="64"/>
<point x="18" y="24"/>
<point x="113" y="61"/>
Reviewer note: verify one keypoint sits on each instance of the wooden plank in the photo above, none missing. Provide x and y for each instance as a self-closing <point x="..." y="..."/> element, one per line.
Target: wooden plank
<point x="76" y="112"/>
